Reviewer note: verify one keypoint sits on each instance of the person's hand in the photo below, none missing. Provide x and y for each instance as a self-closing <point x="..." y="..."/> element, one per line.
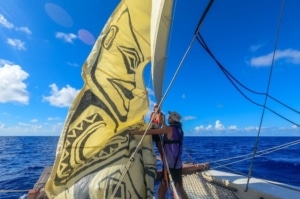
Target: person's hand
<point x="164" y="127"/>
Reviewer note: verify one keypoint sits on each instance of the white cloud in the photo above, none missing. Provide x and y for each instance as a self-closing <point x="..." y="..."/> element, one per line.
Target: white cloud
<point x="3" y="61"/>
<point x="288" y="55"/>
<point x="203" y="128"/>
<point x="12" y="86"/>
<point x="61" y="98"/>
<point x="251" y="128"/>
<point x="16" y="43"/>
<point x="32" y="126"/>
<point x="35" y="129"/>
<point x="5" y="23"/>
<point x="219" y="125"/>
<point x="209" y="127"/>
<point x="233" y="127"/>
<point x="24" y="29"/>
<point x="264" y="60"/>
<point x="199" y="128"/>
<point x="232" y="130"/>
<point x="294" y="127"/>
<point x="66" y="37"/>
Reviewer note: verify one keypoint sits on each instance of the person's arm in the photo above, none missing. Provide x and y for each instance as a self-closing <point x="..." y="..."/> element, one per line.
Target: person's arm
<point x="164" y="130"/>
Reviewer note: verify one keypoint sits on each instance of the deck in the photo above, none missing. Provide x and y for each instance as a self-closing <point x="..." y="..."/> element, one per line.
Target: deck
<point x="38" y="191"/>
<point x="196" y="186"/>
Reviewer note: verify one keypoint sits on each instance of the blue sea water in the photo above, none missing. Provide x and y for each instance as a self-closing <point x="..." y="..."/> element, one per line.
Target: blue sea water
<point x="22" y="159"/>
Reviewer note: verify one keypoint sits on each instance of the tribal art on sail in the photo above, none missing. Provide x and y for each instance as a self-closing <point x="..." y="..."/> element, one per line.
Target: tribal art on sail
<point x="94" y="150"/>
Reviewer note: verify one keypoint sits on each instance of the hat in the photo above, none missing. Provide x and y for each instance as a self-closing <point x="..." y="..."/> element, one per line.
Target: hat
<point x="175" y="116"/>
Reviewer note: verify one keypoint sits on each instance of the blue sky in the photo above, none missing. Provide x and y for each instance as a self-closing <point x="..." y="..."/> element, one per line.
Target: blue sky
<point x="45" y="43"/>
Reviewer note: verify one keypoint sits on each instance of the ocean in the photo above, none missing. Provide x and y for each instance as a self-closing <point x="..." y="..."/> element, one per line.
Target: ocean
<point x="22" y="159"/>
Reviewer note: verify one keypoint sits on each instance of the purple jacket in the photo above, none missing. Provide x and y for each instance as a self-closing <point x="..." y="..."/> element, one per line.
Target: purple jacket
<point x="173" y="147"/>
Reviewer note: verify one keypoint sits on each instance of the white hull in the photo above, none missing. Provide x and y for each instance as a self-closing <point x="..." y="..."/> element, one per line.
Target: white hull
<point x="257" y="188"/>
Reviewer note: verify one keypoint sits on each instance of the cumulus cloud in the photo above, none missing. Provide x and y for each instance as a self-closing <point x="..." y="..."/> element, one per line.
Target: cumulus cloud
<point x="233" y="127"/>
<point x="20" y="45"/>
<point x="203" y="128"/>
<point x="199" y="128"/>
<point x="66" y="37"/>
<point x="61" y="98"/>
<point x="209" y="127"/>
<point x="288" y="55"/>
<point x="219" y="125"/>
<point x="12" y="86"/>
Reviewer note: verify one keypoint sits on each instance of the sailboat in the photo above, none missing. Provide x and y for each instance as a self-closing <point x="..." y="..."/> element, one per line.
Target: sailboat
<point x="97" y="157"/>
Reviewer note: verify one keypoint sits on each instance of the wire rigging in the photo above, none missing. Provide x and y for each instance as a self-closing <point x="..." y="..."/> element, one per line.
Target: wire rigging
<point x="259" y="153"/>
<point x="266" y="98"/>
<point x="235" y="82"/>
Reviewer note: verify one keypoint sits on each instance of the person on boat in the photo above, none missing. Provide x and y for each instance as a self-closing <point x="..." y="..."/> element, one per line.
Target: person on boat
<point x="172" y="146"/>
<point x="157" y="119"/>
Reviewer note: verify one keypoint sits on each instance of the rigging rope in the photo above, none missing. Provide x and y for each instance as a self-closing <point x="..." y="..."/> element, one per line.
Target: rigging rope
<point x="13" y="191"/>
<point x="232" y="80"/>
<point x="266" y="98"/>
<point x="257" y="155"/>
<point x="262" y="152"/>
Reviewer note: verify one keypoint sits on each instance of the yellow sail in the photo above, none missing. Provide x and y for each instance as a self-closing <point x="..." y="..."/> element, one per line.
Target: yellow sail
<point x="95" y="145"/>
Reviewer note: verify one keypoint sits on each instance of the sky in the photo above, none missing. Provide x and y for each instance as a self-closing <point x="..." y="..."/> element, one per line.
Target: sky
<point x="44" y="44"/>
